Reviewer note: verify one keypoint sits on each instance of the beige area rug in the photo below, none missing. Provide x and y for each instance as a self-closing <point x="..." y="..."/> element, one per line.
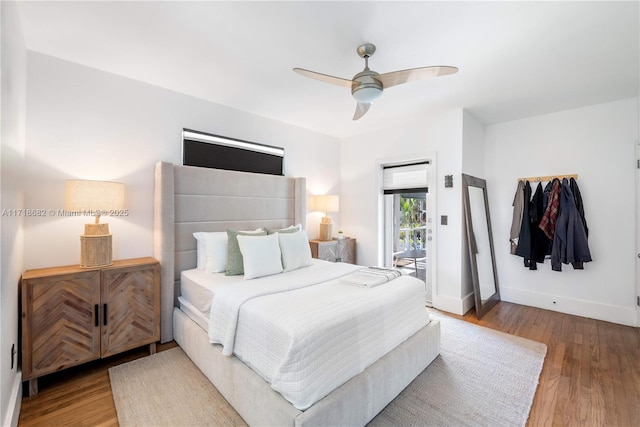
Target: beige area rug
<point x="481" y="378"/>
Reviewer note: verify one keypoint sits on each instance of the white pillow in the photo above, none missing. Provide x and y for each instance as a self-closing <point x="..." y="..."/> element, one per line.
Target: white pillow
<point x="201" y="249"/>
<point x="211" y="250"/>
<point x="216" y="252"/>
<point x="260" y="255"/>
<point x="295" y="250"/>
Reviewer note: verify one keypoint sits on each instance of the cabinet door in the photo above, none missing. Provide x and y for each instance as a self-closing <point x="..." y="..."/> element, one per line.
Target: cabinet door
<point x="60" y="327"/>
<point x="131" y="307"/>
<point x="327" y="251"/>
<point x="347" y="250"/>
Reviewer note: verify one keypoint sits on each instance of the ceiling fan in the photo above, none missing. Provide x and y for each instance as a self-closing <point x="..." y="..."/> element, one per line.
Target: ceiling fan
<point x="367" y="85"/>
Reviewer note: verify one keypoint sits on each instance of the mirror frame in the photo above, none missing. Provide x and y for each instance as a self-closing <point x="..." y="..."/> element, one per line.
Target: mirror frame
<point x="472" y="181"/>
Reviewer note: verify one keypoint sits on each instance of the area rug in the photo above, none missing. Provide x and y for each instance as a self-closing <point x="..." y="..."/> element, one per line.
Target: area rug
<point x="481" y="378"/>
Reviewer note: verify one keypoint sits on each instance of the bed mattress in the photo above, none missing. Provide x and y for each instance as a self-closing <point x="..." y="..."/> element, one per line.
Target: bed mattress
<point x="198" y="287"/>
<point x="305" y="332"/>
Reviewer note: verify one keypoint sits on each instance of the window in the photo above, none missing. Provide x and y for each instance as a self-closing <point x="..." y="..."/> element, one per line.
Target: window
<point x="218" y="152"/>
<point x="413" y="177"/>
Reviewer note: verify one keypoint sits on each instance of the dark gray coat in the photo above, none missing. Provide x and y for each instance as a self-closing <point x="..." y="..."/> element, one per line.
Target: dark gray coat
<point x="570" y="241"/>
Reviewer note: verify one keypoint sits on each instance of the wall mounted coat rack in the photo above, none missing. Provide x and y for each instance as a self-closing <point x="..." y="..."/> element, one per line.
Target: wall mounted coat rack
<point x="547" y="178"/>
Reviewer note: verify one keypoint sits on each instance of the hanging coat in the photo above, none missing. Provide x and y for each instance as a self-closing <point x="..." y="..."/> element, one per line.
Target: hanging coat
<point x="524" y="238"/>
<point x="570" y="240"/>
<point x="548" y="221"/>
<point x="516" y="222"/>
<point x="577" y="197"/>
<point x="532" y="241"/>
<point x="539" y="240"/>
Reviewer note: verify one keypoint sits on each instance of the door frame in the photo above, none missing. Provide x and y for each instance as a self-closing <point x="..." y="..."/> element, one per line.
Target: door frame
<point x="386" y="233"/>
<point x="637" y="305"/>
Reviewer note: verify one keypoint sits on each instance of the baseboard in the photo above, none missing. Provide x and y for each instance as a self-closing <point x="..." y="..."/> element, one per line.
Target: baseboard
<point x="448" y="304"/>
<point x="468" y="303"/>
<point x="14" y="402"/>
<point x="590" y="309"/>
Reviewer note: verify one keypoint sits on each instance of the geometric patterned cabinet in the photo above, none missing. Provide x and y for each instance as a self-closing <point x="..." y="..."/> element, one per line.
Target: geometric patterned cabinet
<point x="71" y="315"/>
<point x="343" y="250"/>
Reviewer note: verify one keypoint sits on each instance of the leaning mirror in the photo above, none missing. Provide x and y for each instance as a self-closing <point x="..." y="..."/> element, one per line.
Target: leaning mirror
<point x="480" y="244"/>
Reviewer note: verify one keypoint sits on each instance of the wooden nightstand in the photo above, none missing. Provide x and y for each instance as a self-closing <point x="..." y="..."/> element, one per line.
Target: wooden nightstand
<point x="71" y="315"/>
<point x="343" y="250"/>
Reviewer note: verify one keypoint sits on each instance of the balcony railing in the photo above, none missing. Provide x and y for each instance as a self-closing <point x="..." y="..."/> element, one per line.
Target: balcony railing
<point x="412" y="238"/>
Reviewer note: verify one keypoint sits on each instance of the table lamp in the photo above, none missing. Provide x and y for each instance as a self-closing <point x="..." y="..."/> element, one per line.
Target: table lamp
<point x="326" y="204"/>
<point x="94" y="198"/>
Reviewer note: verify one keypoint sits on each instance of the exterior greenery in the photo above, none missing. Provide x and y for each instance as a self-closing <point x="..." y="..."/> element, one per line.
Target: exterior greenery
<point x="412" y="222"/>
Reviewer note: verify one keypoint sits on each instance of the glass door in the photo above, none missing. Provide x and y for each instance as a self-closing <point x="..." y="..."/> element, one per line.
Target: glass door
<point x="409" y="238"/>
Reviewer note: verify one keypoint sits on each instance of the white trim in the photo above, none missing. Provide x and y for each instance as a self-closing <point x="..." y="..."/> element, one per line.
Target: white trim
<point x="637" y="233"/>
<point x="448" y="304"/>
<point x="468" y="303"/>
<point x="387" y="201"/>
<point x="590" y="309"/>
<point x="14" y="403"/>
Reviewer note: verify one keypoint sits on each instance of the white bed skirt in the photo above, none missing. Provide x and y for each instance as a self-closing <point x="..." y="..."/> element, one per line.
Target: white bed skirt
<point x="354" y="403"/>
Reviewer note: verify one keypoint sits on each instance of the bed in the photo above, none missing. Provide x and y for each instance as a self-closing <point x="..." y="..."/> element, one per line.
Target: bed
<point x="189" y="200"/>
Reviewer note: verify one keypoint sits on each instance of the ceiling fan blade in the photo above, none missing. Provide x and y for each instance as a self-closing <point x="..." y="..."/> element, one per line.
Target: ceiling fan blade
<point x="405" y="76"/>
<point x="361" y="110"/>
<point x="323" y="77"/>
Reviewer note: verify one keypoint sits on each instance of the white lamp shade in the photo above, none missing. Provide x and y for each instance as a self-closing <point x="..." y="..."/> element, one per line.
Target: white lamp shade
<point x="93" y="195"/>
<point x="326" y="203"/>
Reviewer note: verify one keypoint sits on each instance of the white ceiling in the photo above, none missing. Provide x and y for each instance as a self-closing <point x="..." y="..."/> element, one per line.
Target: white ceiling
<point x="516" y="59"/>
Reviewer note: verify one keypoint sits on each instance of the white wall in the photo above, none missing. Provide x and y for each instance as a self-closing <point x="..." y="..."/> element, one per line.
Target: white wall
<point x="472" y="164"/>
<point x="89" y="124"/>
<point x="439" y="133"/>
<point x="472" y="145"/>
<point x="13" y="94"/>
<point x="597" y="143"/>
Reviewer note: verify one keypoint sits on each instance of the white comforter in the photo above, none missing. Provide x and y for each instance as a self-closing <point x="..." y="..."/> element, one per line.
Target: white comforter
<point x="306" y="333"/>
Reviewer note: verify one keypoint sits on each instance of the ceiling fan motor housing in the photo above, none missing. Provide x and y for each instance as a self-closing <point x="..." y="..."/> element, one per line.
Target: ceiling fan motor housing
<point x="366" y="86"/>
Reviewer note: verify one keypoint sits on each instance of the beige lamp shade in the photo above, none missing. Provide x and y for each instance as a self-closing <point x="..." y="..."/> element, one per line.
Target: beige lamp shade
<point x="94" y="198"/>
<point x="326" y="203"/>
<point x="83" y="195"/>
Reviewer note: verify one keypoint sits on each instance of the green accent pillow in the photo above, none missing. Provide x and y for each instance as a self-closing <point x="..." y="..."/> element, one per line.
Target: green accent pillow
<point x="292" y="229"/>
<point x="235" y="266"/>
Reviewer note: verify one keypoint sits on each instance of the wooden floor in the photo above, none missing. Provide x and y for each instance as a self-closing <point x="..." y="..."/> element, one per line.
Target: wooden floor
<point x="591" y="374"/>
<point x="78" y="396"/>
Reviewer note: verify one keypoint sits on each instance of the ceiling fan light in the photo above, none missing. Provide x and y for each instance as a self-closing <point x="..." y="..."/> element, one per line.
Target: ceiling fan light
<point x="367" y="94"/>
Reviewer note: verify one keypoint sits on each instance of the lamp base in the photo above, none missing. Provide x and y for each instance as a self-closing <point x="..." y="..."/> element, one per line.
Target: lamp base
<point x="95" y="246"/>
<point x="325" y="231"/>
<point x="96" y="229"/>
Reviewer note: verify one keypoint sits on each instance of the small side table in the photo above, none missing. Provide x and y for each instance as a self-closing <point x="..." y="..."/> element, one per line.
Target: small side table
<point x="337" y="250"/>
<point x="415" y="254"/>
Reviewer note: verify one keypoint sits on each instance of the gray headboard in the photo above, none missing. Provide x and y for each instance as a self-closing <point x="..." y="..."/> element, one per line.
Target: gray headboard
<point x="190" y="199"/>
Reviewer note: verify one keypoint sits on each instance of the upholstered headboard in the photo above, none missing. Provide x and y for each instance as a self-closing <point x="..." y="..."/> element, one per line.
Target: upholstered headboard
<point x="190" y="199"/>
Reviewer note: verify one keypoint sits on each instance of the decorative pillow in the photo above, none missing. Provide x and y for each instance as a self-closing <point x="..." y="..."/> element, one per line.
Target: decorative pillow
<point x="260" y="254"/>
<point x="295" y="250"/>
<point x="234" y="256"/>
<point x="289" y="229"/>
<point x="201" y="249"/>
<point x="216" y="244"/>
